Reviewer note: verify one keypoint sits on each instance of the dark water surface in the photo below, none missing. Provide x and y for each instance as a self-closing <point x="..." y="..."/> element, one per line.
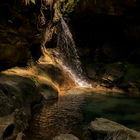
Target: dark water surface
<point x="72" y="113"/>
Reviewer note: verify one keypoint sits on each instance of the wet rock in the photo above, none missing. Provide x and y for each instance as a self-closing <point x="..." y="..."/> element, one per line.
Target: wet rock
<point x="48" y="91"/>
<point x="105" y="129"/>
<point x="56" y="74"/>
<point x="65" y="137"/>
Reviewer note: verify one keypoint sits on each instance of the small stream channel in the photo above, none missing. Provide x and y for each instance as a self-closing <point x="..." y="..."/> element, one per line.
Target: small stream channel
<point x="73" y="112"/>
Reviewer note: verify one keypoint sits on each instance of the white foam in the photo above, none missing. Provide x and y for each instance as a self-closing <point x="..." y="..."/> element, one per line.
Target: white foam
<point x="79" y="81"/>
<point x="68" y="56"/>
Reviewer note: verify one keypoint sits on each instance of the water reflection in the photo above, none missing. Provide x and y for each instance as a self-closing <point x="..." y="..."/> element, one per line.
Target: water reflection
<point x="62" y="116"/>
<point x="72" y="112"/>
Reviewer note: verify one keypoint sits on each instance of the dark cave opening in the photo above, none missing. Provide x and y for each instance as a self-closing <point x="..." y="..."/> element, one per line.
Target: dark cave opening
<point x="112" y="38"/>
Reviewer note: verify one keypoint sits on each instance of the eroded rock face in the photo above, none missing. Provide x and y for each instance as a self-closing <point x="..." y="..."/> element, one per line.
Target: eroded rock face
<point x="48" y="91"/>
<point x="15" y="32"/>
<point x="17" y="94"/>
<point x="14" y="123"/>
<point x="6" y="122"/>
<point x="12" y="48"/>
<point x="106" y="129"/>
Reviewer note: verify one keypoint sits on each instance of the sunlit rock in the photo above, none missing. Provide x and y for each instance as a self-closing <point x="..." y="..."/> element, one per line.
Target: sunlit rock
<point x="56" y="74"/>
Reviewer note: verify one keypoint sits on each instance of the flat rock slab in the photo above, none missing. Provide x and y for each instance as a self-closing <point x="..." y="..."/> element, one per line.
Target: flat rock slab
<point x="104" y="128"/>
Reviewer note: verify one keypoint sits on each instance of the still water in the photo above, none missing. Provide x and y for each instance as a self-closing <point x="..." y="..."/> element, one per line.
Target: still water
<point x="73" y="112"/>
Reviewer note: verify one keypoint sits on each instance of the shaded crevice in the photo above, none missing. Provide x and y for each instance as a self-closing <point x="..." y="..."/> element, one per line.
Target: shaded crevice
<point x="8" y="131"/>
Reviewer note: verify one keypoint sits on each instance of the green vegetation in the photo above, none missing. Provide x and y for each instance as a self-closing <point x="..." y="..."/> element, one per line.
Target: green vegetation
<point x="35" y="80"/>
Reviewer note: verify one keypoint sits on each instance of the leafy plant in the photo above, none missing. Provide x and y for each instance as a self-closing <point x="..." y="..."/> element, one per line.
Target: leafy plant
<point x="27" y="2"/>
<point x="33" y="1"/>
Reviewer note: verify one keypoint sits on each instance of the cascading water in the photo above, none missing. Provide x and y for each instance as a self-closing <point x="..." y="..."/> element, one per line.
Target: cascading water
<point x="68" y="55"/>
<point x="66" y="49"/>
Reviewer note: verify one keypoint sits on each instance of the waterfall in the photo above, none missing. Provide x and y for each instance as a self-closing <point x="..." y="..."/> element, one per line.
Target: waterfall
<point x="68" y="55"/>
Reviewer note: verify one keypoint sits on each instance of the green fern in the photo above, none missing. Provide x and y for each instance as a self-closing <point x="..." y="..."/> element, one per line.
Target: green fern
<point x="27" y="2"/>
<point x="33" y="1"/>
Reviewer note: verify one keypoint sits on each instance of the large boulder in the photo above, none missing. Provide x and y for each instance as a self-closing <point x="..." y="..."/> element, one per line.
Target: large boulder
<point x="17" y="97"/>
<point x="105" y="129"/>
<point x="65" y="137"/>
<point x="21" y="93"/>
<point x="56" y="74"/>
